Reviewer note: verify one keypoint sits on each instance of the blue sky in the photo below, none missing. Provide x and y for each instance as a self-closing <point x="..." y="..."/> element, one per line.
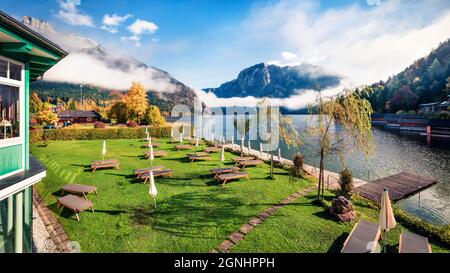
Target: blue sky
<point x="204" y="43"/>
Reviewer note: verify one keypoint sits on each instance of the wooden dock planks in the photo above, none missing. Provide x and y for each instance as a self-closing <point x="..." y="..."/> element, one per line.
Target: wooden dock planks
<point x="400" y="186"/>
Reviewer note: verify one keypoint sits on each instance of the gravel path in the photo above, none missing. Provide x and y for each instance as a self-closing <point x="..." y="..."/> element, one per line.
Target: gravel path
<point x="42" y="243"/>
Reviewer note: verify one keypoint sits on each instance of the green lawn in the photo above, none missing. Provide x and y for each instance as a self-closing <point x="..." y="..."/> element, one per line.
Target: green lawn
<point x="303" y="227"/>
<point x="194" y="214"/>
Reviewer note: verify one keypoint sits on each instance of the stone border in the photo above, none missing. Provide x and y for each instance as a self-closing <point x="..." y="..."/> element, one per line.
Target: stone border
<point x="245" y="229"/>
<point x="54" y="228"/>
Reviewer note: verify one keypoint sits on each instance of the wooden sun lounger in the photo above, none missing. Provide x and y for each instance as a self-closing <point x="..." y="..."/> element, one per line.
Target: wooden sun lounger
<point x="413" y="243"/>
<point x="231" y="176"/>
<point x="166" y="172"/>
<point x="218" y="171"/>
<point x="198" y="156"/>
<point x="193" y="141"/>
<point x="79" y="189"/>
<point x="142" y="171"/>
<point x="254" y="162"/>
<point x="239" y="159"/>
<point x="158" y="153"/>
<point x="146" y="140"/>
<point x="183" y="147"/>
<point x="75" y="204"/>
<point x="212" y="149"/>
<point x="103" y="164"/>
<point x="363" y="238"/>
<point x="154" y="144"/>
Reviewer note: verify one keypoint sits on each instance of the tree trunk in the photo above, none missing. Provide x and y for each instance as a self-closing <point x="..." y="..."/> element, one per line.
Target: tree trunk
<point x="320" y="176"/>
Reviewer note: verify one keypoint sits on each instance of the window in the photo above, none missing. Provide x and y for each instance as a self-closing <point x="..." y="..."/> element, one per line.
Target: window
<point x="3" y="68"/>
<point x="9" y="111"/>
<point x="15" y="72"/>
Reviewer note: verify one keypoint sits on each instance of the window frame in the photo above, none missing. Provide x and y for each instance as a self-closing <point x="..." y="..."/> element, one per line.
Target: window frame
<point x="20" y="140"/>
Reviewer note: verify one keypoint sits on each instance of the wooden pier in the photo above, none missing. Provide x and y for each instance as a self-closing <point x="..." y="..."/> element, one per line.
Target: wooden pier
<point x="400" y="186"/>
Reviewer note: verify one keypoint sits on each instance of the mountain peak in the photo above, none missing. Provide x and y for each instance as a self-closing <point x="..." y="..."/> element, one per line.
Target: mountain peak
<point x="37" y="24"/>
<point x="273" y="81"/>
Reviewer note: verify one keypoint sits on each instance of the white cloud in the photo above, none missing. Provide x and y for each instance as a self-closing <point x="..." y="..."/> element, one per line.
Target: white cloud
<point x="138" y="28"/>
<point x="79" y="67"/>
<point x="287" y="59"/>
<point x="114" y="19"/>
<point x="71" y="15"/>
<point x="365" y="44"/>
<point x="109" y="29"/>
<point x="111" y="22"/>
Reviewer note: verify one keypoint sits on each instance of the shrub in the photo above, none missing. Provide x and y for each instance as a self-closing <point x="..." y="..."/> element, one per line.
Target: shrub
<point x="132" y="124"/>
<point x="100" y="125"/>
<point x="297" y="168"/>
<point x="69" y="133"/>
<point x="346" y="183"/>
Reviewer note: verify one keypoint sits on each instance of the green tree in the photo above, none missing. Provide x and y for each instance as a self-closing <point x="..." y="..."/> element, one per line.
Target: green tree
<point x="71" y="104"/>
<point x="352" y="113"/>
<point x="119" y="112"/>
<point x="153" y="116"/>
<point x="35" y="103"/>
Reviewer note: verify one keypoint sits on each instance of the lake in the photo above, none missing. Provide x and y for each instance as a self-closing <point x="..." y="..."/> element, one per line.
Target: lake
<point x="396" y="152"/>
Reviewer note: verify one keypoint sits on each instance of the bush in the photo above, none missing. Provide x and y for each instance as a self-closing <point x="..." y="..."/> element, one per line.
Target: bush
<point x="346" y="183"/>
<point x="100" y="125"/>
<point x="297" y="168"/>
<point x="132" y="124"/>
<point x="69" y="133"/>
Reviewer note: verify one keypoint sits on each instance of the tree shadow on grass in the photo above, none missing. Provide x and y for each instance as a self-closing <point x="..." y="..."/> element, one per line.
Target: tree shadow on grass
<point x="127" y="176"/>
<point x="338" y="243"/>
<point x="192" y="214"/>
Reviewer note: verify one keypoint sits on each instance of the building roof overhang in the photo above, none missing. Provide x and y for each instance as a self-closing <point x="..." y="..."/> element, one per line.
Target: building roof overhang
<point x="23" y="44"/>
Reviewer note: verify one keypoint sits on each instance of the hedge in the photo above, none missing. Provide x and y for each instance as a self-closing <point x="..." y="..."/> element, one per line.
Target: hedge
<point x="437" y="233"/>
<point x="96" y="133"/>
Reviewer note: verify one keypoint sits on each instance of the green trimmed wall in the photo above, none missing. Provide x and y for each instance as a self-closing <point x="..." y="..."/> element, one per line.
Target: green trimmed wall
<point x="10" y="159"/>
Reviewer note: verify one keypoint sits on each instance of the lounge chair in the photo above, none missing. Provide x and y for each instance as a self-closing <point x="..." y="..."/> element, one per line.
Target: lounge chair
<point x="218" y="171"/>
<point x="75" y="204"/>
<point x="142" y="171"/>
<point x="413" y="243"/>
<point x="198" y="156"/>
<point x="154" y="144"/>
<point x="166" y="172"/>
<point x="79" y="189"/>
<point x="212" y="149"/>
<point x="183" y="147"/>
<point x="239" y="159"/>
<point x="231" y="176"/>
<point x="194" y="141"/>
<point x="158" y="153"/>
<point x="363" y="238"/>
<point x="254" y="162"/>
<point x="103" y="164"/>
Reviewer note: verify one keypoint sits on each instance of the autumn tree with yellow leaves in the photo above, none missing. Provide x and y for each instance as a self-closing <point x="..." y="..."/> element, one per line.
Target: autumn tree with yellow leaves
<point x="136" y="101"/>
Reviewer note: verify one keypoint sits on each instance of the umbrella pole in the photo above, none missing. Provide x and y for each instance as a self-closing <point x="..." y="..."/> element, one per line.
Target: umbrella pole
<point x="384" y="240"/>
<point x="154" y="201"/>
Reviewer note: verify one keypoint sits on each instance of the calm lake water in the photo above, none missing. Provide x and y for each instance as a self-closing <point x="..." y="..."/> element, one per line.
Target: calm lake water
<point x="396" y="152"/>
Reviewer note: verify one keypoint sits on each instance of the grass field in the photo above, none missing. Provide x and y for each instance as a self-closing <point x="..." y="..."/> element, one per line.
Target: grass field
<point x="194" y="214"/>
